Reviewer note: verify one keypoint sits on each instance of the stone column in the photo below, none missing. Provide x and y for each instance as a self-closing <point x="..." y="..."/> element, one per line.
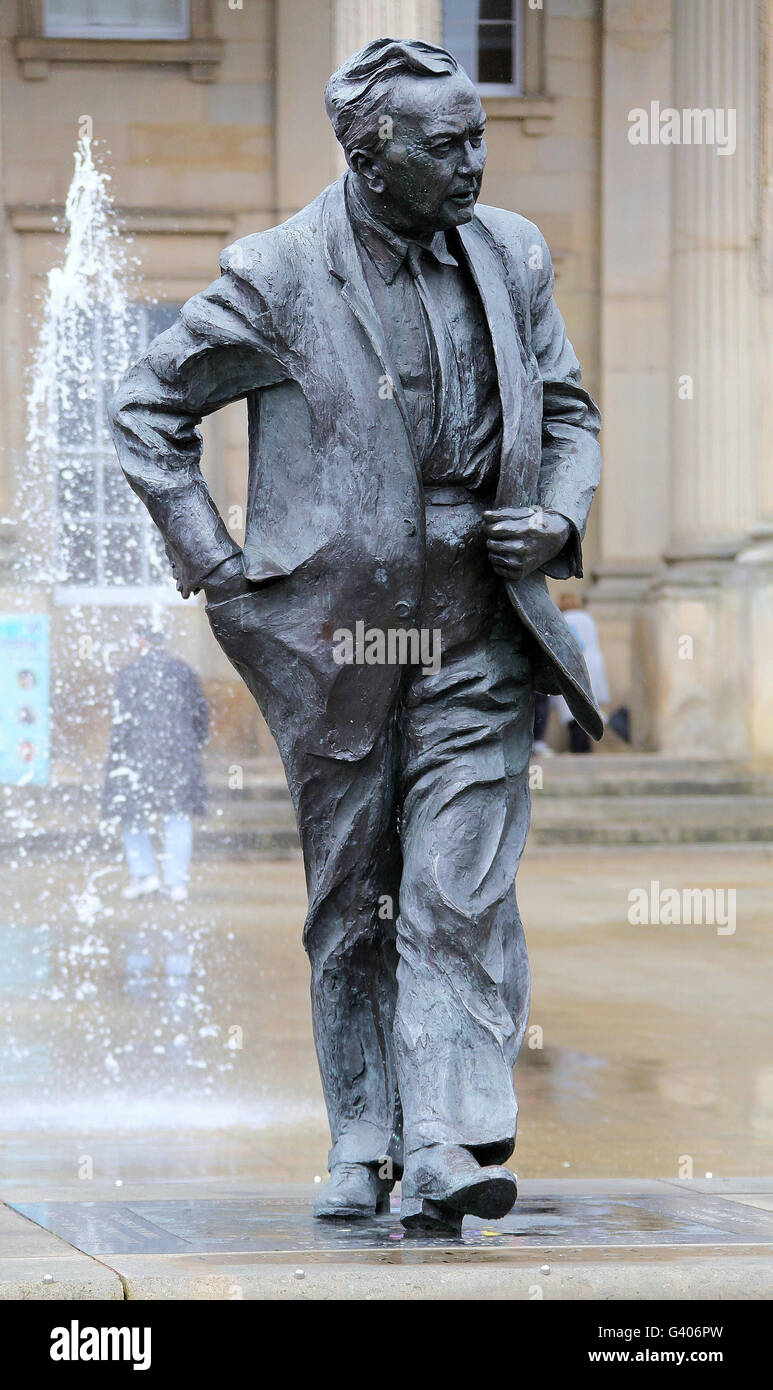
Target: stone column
<point x="715" y="444"/>
<point x="305" y="151"/>
<point x="701" y="598"/>
<point x="633" y="502"/>
<point x="359" y="21"/>
<point x="755" y="562"/>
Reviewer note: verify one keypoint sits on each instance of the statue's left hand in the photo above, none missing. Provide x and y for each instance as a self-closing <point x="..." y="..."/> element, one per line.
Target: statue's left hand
<point x="521" y="539"/>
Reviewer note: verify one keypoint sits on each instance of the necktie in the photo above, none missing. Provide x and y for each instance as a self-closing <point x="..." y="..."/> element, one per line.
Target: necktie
<point x="438" y="341"/>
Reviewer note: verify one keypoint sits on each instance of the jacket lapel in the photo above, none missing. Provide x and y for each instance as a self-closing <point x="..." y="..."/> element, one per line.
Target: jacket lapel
<point x="488" y="274"/>
<point x="509" y="355"/>
<point x="521" y="393"/>
<point x="344" y="262"/>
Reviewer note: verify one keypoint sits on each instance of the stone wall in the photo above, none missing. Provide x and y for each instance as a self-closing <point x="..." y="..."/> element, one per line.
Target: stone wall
<point x="663" y="259"/>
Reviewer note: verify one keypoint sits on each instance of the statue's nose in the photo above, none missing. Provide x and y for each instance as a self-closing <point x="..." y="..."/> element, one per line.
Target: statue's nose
<point x="473" y="160"/>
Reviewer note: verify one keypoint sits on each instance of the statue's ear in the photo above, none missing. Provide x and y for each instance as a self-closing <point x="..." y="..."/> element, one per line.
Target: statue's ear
<point x="362" y="163"/>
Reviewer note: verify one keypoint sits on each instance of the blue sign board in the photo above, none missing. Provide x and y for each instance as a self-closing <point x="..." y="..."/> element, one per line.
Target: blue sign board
<point x="24" y="699"/>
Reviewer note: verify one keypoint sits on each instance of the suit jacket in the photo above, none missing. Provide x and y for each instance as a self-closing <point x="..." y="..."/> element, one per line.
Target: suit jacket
<point x="335" y="514"/>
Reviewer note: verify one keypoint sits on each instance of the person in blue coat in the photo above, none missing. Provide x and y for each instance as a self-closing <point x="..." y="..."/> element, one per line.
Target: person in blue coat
<point x="154" y="779"/>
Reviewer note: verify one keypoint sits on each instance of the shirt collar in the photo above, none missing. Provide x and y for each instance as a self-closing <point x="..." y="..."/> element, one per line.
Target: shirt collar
<point x="386" y="248"/>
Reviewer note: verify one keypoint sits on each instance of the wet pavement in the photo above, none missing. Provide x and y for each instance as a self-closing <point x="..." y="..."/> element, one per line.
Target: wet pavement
<point x="155" y="1043"/>
<point x="163" y="1133"/>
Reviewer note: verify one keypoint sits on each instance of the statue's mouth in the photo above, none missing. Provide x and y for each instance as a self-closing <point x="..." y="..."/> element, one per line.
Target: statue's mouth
<point x="464" y="196"/>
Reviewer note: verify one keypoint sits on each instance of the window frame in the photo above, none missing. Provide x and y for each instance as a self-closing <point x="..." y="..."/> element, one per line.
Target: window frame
<point x="200" y="53"/>
<point x="127" y="31"/>
<point x="98" y="516"/>
<point x="532" y="107"/>
<point x="490" y="89"/>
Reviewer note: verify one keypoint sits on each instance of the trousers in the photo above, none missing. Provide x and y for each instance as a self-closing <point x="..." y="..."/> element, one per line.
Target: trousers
<point x="175" y="854"/>
<point x="419" y="972"/>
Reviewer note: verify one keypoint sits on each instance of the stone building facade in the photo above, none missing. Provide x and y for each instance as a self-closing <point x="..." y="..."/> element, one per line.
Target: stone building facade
<point x="210" y="121"/>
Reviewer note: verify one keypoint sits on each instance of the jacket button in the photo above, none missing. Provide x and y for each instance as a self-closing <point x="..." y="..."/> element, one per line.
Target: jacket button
<point x="402" y="609"/>
<point x="410" y="526"/>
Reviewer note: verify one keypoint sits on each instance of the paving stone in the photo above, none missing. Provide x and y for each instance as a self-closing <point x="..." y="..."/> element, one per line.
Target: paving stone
<point x="36" y="1264"/>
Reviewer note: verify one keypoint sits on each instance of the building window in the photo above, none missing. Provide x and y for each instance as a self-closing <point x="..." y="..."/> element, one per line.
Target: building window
<point x="485" y="37"/>
<point x="105" y="537"/>
<point x="116" y="19"/>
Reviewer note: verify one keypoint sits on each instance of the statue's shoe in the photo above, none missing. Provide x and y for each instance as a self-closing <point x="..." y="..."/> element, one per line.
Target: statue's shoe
<point x="353" y="1192"/>
<point x="443" y="1183"/>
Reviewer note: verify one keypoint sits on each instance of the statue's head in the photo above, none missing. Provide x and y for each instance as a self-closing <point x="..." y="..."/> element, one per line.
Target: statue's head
<point x="411" y="124"/>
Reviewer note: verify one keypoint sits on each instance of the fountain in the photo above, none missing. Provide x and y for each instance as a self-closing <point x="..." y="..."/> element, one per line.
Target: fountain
<point x="109" y="1012"/>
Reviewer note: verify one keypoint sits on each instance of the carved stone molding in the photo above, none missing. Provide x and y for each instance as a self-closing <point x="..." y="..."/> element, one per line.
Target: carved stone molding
<point x="535" y="113"/>
<point x="35" y="52"/>
<point x="34" y="217"/>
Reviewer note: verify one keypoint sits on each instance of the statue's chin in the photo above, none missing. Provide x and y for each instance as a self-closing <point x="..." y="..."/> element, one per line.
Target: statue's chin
<point x="450" y="215"/>
<point x="457" y="213"/>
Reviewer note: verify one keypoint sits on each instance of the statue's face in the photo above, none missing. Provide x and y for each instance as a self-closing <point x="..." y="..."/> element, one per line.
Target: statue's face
<point x="427" y="174"/>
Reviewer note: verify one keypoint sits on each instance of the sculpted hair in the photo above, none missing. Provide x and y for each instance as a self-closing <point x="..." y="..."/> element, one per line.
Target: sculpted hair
<point x="356" y="95"/>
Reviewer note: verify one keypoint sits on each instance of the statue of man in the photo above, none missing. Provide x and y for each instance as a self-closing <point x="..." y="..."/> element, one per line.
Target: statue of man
<point x="422" y="454"/>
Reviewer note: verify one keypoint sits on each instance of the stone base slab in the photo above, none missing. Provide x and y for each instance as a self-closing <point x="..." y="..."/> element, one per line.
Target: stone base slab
<point x="564" y="1240"/>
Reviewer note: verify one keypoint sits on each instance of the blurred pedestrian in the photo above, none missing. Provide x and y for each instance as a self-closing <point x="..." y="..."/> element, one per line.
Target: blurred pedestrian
<point x="586" y="632"/>
<point x="541" y="715"/>
<point x="154" y="777"/>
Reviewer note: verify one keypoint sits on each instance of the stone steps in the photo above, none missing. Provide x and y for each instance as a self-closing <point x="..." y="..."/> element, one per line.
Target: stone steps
<point x="601" y="799"/>
<point x="653" y="819"/>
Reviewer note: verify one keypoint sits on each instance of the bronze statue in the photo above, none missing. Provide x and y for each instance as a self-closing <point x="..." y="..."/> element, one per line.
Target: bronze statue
<point x="422" y="454"/>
